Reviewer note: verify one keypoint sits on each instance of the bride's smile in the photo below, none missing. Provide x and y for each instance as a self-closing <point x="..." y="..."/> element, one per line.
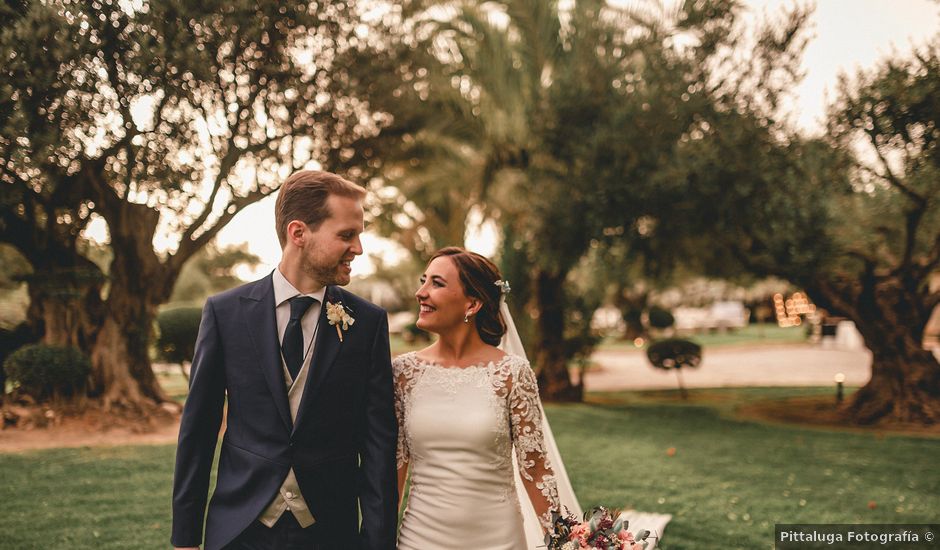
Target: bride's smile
<point x="442" y="303"/>
<point x="465" y="401"/>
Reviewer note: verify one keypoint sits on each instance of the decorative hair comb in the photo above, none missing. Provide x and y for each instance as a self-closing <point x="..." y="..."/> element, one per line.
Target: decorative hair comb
<point x="504" y="287"/>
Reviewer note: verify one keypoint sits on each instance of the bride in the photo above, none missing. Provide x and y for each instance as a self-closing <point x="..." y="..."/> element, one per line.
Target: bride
<point x="469" y="415"/>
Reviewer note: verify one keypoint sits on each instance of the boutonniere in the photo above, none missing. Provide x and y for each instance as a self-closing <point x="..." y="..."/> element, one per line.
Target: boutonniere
<point x="337" y="315"/>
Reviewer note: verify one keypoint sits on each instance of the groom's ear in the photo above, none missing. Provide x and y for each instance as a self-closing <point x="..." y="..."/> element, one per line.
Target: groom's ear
<point x="295" y="232"/>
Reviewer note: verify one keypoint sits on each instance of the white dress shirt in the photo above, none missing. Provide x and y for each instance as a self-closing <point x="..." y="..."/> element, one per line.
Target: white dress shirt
<point x="283" y="292"/>
<point x="288" y="496"/>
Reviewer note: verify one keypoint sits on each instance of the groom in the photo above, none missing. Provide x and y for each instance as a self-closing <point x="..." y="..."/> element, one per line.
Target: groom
<point x="310" y="431"/>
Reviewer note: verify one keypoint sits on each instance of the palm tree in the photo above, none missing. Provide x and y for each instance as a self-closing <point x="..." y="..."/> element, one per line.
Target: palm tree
<point x="556" y="121"/>
<point x="536" y="80"/>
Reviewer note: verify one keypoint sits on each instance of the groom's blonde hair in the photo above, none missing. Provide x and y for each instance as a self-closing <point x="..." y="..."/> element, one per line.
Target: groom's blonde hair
<point x="303" y="197"/>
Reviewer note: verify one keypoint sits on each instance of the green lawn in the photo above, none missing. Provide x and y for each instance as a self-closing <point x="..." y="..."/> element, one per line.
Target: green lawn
<point x="115" y="497"/>
<point x="728" y="483"/>
<point x="766" y="333"/>
<point x="174" y="384"/>
<point x="398" y="345"/>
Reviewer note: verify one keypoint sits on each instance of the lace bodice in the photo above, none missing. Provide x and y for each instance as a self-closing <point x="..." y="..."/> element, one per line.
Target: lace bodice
<point x="509" y="396"/>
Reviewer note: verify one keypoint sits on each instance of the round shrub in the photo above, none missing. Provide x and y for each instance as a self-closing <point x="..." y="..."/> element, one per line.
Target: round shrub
<point x="44" y="371"/>
<point x="178" y="328"/>
<point x="15" y="338"/>
<point x="411" y="334"/>
<point x="674" y="353"/>
<point x="660" y="318"/>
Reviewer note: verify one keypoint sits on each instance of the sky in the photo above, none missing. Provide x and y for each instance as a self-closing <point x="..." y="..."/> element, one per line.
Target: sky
<point x="847" y="35"/>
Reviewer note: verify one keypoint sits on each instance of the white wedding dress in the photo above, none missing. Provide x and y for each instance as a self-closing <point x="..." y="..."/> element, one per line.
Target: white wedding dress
<point x="458" y="430"/>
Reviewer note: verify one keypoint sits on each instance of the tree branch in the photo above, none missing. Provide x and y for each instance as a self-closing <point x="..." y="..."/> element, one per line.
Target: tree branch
<point x="189" y="246"/>
<point x="890" y="176"/>
<point x="232" y="152"/>
<point x="106" y="195"/>
<point x="931" y="302"/>
<point x="913" y="220"/>
<point x="19" y="233"/>
<point x="838" y="297"/>
<point x="867" y="259"/>
<point x="933" y="257"/>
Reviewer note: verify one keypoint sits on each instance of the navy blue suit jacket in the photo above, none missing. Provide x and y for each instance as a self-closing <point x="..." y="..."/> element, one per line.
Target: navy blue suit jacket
<point x="341" y="447"/>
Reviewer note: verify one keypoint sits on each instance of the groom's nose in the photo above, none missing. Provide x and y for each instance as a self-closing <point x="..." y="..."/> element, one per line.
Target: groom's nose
<point x="356" y="247"/>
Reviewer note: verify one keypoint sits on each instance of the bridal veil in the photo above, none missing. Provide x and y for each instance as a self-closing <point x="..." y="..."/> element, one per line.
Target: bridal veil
<point x="511" y="343"/>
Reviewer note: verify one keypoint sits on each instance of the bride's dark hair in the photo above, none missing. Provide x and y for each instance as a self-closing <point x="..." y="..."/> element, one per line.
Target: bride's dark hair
<point x="478" y="276"/>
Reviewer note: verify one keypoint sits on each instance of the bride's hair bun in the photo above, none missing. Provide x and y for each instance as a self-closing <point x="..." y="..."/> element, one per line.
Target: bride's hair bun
<point x="478" y="276"/>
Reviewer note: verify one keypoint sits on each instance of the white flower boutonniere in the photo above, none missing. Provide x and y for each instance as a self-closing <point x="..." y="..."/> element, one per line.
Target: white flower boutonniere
<point x="337" y="315"/>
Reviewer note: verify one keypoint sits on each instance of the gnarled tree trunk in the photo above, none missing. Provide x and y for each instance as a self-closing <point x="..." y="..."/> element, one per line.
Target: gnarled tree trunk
<point x="65" y="304"/>
<point x="140" y="282"/>
<point x="121" y="369"/>
<point x="902" y="388"/>
<point x="905" y="378"/>
<point x="550" y="352"/>
<point x="632" y="304"/>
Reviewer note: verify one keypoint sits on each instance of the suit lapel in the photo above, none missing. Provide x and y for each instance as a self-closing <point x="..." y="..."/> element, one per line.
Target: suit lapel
<point x="258" y="312"/>
<point x="325" y="351"/>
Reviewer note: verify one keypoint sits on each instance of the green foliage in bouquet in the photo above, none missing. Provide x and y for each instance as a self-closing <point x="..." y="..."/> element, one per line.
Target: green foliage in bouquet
<point x="599" y="529"/>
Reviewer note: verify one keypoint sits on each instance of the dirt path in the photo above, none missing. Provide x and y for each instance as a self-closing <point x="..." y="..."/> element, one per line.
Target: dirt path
<point x="790" y="365"/>
<point x="781" y="365"/>
<point x="72" y="433"/>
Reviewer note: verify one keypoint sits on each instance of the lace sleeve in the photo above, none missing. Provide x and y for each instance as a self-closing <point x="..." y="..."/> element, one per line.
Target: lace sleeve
<point x="402" y="371"/>
<point x="529" y="443"/>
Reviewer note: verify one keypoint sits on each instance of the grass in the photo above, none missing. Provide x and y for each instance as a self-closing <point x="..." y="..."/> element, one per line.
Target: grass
<point x="115" y="497"/>
<point x="174" y="384"/>
<point x="727" y="484"/>
<point x="759" y="334"/>
<point x="731" y="480"/>
<point x="398" y="345"/>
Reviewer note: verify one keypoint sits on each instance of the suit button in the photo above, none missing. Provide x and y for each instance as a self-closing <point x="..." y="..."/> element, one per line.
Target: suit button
<point x="289" y="495"/>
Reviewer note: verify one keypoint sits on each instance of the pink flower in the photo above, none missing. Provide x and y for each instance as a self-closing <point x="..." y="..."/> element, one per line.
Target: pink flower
<point x="626" y="536"/>
<point x="578" y="531"/>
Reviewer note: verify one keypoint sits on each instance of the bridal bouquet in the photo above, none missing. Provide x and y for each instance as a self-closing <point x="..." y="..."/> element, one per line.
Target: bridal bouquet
<point x="599" y="529"/>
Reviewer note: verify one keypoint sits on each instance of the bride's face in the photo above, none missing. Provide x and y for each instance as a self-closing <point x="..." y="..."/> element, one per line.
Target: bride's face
<point x="442" y="303"/>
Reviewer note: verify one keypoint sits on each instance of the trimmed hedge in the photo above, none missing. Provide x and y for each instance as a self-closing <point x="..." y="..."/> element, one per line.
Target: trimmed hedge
<point x="178" y="329"/>
<point x="674" y="353"/>
<point x="15" y="338"/>
<point x="660" y="317"/>
<point x="411" y="334"/>
<point x="44" y="371"/>
<point x="10" y="341"/>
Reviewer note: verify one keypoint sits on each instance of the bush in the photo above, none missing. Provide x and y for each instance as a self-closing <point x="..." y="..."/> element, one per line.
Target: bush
<point x="674" y="353"/>
<point x="10" y="341"/>
<point x="412" y="334"/>
<point x="660" y="318"/>
<point x="178" y="330"/>
<point x="44" y="371"/>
